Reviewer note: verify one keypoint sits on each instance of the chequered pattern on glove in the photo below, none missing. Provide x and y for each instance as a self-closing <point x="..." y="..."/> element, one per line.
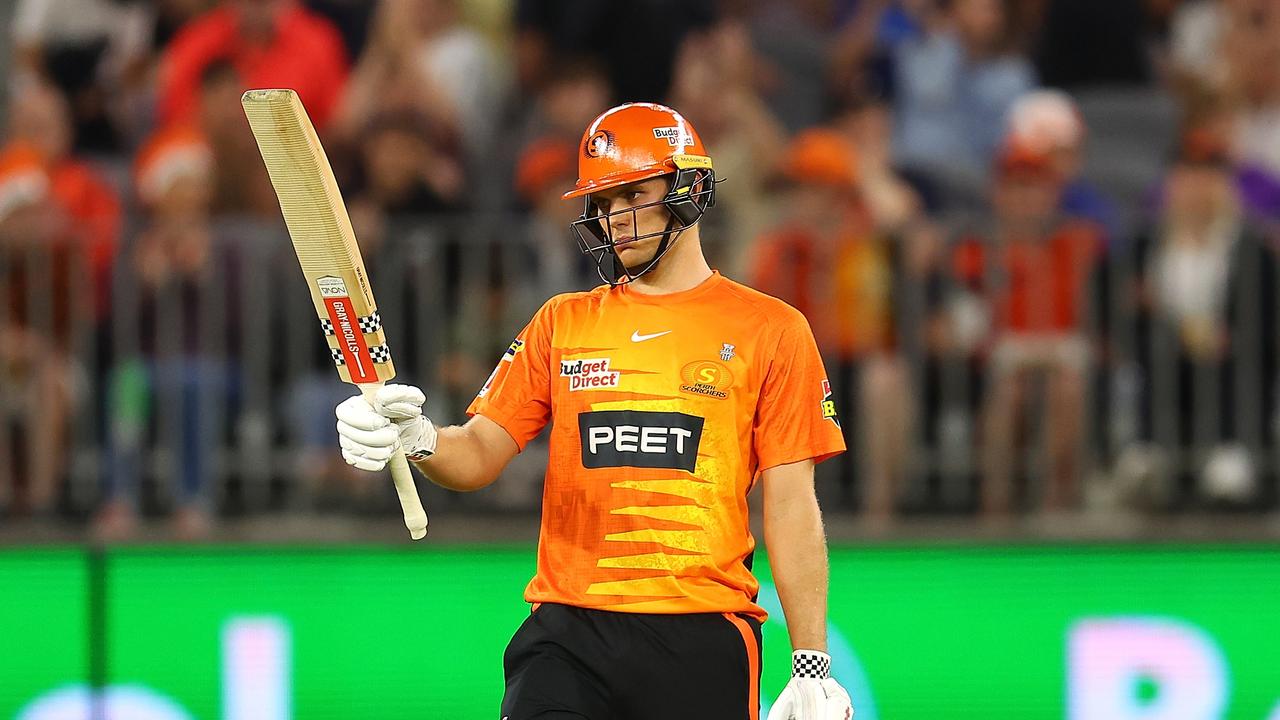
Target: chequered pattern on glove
<point x="810" y="664"/>
<point x="337" y="356"/>
<point x="327" y="325"/>
<point x="370" y="323"/>
<point x="380" y="353"/>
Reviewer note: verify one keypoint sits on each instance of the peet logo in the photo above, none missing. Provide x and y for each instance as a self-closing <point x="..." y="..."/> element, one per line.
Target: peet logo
<point x="706" y="377"/>
<point x="638" y="438"/>
<point x="589" y="374"/>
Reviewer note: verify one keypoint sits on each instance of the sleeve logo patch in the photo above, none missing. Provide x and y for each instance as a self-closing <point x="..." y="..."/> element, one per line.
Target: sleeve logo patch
<point x="516" y="346"/>
<point x="509" y="356"/>
<point x="828" y="405"/>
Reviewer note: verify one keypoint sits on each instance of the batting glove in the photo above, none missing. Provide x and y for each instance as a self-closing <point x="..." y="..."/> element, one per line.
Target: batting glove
<point x="812" y="693"/>
<point x="370" y="433"/>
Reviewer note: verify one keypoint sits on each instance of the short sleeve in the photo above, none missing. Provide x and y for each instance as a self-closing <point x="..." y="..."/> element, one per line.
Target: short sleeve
<point x="796" y="416"/>
<point x="517" y="394"/>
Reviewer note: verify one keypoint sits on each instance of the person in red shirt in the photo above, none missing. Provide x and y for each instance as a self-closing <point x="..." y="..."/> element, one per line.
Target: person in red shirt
<point x="1031" y="274"/>
<point x="670" y="392"/>
<point x="59" y="228"/>
<point x="271" y="43"/>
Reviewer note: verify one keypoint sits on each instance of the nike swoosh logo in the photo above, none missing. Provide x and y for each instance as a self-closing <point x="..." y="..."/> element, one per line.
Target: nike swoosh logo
<point x="637" y="337"/>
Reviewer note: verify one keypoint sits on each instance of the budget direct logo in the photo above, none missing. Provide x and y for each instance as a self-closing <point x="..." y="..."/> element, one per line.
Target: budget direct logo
<point x="589" y="374"/>
<point x="638" y="438"/>
<point x="707" y="378"/>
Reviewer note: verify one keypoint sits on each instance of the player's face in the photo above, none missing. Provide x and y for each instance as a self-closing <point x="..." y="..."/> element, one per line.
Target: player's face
<point x="624" y="226"/>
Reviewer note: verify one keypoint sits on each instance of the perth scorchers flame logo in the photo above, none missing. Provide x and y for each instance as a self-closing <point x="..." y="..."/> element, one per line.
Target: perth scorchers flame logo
<point x="598" y="144"/>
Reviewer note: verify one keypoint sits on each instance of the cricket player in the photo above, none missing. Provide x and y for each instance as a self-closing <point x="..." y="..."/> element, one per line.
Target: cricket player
<point x="670" y="391"/>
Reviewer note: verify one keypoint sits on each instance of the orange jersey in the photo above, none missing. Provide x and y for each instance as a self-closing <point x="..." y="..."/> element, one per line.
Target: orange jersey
<point x="663" y="411"/>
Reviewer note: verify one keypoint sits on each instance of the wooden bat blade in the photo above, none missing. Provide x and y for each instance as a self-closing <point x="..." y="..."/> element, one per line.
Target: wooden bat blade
<point x="321" y="232"/>
<point x="330" y="257"/>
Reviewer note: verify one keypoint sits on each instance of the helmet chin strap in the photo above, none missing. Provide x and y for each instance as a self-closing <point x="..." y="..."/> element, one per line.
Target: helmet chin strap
<point x="668" y="239"/>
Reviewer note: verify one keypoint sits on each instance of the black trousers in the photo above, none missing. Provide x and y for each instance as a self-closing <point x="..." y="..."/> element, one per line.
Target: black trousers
<point x="568" y="663"/>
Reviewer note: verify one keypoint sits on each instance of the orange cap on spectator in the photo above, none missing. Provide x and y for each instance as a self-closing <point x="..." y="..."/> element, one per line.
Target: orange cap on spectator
<point x="23" y="179"/>
<point x="1203" y="146"/>
<point x="544" y="162"/>
<point x="172" y="153"/>
<point x="822" y="157"/>
<point x="1021" y="158"/>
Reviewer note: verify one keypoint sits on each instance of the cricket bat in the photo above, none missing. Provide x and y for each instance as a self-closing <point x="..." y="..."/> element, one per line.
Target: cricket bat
<point x="326" y="246"/>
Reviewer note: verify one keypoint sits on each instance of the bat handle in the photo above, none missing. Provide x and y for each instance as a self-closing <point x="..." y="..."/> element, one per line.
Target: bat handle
<point x="415" y="517"/>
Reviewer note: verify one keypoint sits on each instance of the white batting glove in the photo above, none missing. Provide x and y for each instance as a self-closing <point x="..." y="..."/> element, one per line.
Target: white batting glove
<point x="812" y="693"/>
<point x="371" y="433"/>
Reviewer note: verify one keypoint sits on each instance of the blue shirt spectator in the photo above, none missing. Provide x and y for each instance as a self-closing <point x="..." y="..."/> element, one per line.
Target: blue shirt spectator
<point x="953" y="89"/>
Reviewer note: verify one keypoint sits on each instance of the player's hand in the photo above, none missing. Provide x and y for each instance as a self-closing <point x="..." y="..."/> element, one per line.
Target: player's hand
<point x="812" y="693"/>
<point x="370" y="433"/>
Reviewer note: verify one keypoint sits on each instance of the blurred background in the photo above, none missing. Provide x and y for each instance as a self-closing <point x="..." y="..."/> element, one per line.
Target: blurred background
<point x="1036" y="239"/>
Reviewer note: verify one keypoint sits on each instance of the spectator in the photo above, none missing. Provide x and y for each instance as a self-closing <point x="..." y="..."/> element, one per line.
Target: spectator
<point x="87" y="49"/>
<point x="550" y="263"/>
<point x="34" y="368"/>
<point x="82" y="212"/>
<point x="953" y="88"/>
<point x="405" y="170"/>
<point x="1253" y="45"/>
<point x="633" y="43"/>
<point x="895" y="207"/>
<point x="184" y="302"/>
<point x="1205" y="292"/>
<point x="715" y="88"/>
<point x="1210" y="41"/>
<point x="563" y="105"/>
<point x="270" y="43"/>
<point x="1031" y="272"/>
<point x="861" y="57"/>
<point x="828" y="261"/>
<point x="422" y="59"/>
<point x="1049" y="120"/>
<point x="241" y="183"/>
<point x="567" y="97"/>
<point x="1224" y="54"/>
<point x="59" y="224"/>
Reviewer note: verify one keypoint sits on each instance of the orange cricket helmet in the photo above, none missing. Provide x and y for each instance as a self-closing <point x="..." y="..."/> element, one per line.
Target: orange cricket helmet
<point x="631" y="143"/>
<point x="634" y="142"/>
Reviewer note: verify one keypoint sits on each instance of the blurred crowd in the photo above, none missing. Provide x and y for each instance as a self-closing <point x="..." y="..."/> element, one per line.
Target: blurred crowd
<point x="1036" y="239"/>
